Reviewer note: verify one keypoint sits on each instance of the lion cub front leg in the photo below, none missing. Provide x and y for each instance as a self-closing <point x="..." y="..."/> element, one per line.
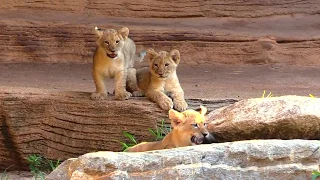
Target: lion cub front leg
<point x="161" y="99"/>
<point x="120" y="90"/>
<point x="101" y="92"/>
<point x="179" y="102"/>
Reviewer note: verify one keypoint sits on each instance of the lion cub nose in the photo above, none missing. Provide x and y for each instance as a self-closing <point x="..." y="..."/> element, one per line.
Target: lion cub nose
<point x="205" y="134"/>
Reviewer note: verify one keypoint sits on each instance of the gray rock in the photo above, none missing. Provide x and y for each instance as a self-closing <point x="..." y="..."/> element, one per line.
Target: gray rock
<point x="255" y="159"/>
<point x="285" y="117"/>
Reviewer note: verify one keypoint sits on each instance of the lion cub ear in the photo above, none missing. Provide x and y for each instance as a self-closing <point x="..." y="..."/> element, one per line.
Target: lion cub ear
<point x="176" y="117"/>
<point x="124" y="32"/>
<point x="175" y="55"/>
<point x="203" y="110"/>
<point x="151" y="54"/>
<point x="98" y="32"/>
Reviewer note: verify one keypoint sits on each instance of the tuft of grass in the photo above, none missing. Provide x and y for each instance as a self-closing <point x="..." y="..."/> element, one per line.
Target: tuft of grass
<point x="315" y="174"/>
<point x="39" y="165"/>
<point x="312" y="96"/>
<point x="268" y="96"/>
<point x="160" y="132"/>
<point x="132" y="141"/>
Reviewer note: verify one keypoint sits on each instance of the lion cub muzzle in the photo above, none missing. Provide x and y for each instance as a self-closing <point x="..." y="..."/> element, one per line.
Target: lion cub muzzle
<point x="111" y="52"/>
<point x="201" y="133"/>
<point x="112" y="55"/>
<point x="197" y="140"/>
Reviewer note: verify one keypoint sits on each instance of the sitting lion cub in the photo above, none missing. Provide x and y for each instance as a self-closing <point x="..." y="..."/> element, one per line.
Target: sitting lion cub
<point x="189" y="128"/>
<point x="114" y="57"/>
<point x="160" y="79"/>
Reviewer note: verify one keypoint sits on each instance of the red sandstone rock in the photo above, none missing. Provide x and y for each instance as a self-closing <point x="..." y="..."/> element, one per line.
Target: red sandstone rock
<point x="203" y="31"/>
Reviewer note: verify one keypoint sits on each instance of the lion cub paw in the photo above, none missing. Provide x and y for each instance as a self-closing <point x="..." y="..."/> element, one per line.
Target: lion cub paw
<point x="123" y="95"/>
<point x="165" y="103"/>
<point x="180" y="105"/>
<point x="137" y="94"/>
<point x="98" y="96"/>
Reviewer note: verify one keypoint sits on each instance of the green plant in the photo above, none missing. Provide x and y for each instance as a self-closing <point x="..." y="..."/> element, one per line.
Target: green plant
<point x="4" y="175"/>
<point x="131" y="138"/>
<point x="315" y="174"/>
<point x="269" y="95"/>
<point x="39" y="165"/>
<point x="160" y="132"/>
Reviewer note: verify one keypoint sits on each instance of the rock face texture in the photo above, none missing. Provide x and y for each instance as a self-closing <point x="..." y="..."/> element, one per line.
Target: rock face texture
<point x="285" y="117"/>
<point x="257" y="159"/>
<point x="232" y="32"/>
<point x="60" y="125"/>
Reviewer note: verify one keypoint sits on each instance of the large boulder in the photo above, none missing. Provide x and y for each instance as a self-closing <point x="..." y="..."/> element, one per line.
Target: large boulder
<point x="61" y="125"/>
<point x="285" y="117"/>
<point x="256" y="159"/>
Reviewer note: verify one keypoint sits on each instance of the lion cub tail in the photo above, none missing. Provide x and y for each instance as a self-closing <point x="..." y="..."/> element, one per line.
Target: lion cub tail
<point x="139" y="57"/>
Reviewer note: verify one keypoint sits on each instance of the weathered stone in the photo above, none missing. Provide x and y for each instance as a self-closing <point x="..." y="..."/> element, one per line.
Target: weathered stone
<point x="285" y="117"/>
<point x="233" y="32"/>
<point x="256" y="159"/>
<point x="60" y="125"/>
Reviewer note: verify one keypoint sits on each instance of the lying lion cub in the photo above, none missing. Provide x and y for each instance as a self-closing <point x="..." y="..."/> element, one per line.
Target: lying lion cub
<point x="114" y="57"/>
<point x="189" y="128"/>
<point x="161" y="79"/>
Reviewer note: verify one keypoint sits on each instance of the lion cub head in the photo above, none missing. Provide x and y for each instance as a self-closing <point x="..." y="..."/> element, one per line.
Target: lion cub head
<point x="190" y="127"/>
<point x="112" y="41"/>
<point x="162" y="64"/>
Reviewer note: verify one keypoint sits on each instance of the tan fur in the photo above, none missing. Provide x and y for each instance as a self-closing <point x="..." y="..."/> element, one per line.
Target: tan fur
<point x="113" y="58"/>
<point x="185" y="125"/>
<point x="161" y="79"/>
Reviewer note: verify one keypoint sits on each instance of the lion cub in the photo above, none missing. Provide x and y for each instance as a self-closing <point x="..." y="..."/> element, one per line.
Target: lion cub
<point x="189" y="128"/>
<point x="113" y="58"/>
<point x="160" y="79"/>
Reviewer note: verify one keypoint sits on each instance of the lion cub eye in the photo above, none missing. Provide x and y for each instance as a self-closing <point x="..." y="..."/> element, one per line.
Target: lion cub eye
<point x="195" y="125"/>
<point x="106" y="42"/>
<point x="155" y="65"/>
<point x="117" y="42"/>
<point x="167" y="64"/>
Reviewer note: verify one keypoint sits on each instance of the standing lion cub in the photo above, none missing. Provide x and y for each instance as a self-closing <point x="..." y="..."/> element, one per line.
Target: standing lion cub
<point x="113" y="58"/>
<point x="160" y="79"/>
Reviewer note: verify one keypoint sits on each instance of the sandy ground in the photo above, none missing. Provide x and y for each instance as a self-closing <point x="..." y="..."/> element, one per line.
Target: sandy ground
<point x="198" y="81"/>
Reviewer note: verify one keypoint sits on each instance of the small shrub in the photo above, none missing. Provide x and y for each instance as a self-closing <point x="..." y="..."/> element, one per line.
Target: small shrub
<point x="160" y="132"/>
<point x="132" y="141"/>
<point x="39" y="165"/>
